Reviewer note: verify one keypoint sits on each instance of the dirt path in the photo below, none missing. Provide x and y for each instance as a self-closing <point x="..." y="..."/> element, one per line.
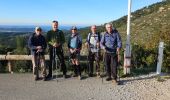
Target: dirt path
<point x="22" y="87"/>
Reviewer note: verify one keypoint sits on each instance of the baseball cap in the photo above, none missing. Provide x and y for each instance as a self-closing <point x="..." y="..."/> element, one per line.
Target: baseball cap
<point x="38" y="28"/>
<point x="74" y="28"/>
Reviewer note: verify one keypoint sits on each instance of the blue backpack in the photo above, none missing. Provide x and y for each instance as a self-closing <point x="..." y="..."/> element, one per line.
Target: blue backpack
<point x="78" y="43"/>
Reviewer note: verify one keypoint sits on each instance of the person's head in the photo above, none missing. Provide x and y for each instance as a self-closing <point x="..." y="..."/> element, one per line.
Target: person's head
<point x="38" y="30"/>
<point x="74" y="29"/>
<point x="93" y="29"/>
<point x="109" y="28"/>
<point x="55" y="25"/>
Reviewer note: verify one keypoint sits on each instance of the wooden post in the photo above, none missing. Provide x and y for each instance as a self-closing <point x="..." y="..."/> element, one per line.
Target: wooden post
<point x="9" y="64"/>
<point x="127" y="64"/>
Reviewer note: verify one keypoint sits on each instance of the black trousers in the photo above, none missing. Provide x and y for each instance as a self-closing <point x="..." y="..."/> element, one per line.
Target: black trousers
<point x="111" y="62"/>
<point x="60" y="54"/>
<point x="93" y="56"/>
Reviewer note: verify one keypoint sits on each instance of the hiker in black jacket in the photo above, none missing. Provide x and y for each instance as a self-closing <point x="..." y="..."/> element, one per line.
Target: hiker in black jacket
<point x="37" y="45"/>
<point x="55" y="40"/>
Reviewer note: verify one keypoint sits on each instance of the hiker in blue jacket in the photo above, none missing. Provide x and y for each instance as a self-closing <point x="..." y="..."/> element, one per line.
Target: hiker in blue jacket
<point x="111" y="43"/>
<point x="93" y="45"/>
<point x="37" y="45"/>
<point x="74" y="46"/>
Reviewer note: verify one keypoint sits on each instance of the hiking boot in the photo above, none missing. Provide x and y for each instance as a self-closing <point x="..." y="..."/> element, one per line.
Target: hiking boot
<point x="65" y="76"/>
<point x="44" y="78"/>
<point x="48" y="77"/>
<point x="98" y="75"/>
<point x="90" y="75"/>
<point x="115" y="82"/>
<point x="79" y="77"/>
<point x="74" y="75"/>
<point x="108" y="79"/>
<point x="36" y="78"/>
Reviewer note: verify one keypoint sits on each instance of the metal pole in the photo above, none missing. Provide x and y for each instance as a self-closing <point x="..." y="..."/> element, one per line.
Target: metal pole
<point x="128" y="22"/>
<point x="127" y="60"/>
<point x="160" y="57"/>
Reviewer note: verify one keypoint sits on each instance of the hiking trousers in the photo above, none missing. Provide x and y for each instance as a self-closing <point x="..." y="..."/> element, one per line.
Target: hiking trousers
<point x="111" y="62"/>
<point x="60" y="55"/>
<point x="93" y="56"/>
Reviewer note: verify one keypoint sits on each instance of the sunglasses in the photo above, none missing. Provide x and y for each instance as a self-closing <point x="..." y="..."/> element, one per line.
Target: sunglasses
<point x="39" y="30"/>
<point x="108" y="27"/>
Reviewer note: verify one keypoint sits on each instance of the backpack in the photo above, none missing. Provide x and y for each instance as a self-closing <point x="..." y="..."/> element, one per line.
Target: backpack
<point x="89" y="37"/>
<point x="77" y="41"/>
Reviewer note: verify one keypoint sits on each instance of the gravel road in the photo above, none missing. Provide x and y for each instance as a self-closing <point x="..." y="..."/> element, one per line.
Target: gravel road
<point x="22" y="87"/>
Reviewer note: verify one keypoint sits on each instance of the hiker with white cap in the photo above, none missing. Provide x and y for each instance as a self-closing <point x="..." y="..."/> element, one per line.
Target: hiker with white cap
<point x="112" y="44"/>
<point x="37" y="45"/>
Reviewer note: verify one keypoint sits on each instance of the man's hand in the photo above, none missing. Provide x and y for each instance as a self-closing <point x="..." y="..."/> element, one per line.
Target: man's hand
<point x="39" y="47"/>
<point x="56" y="45"/>
<point x="39" y="50"/>
<point x="72" y="50"/>
<point x="118" y="55"/>
<point x="87" y="45"/>
<point x="105" y="49"/>
<point x="118" y="58"/>
<point x="98" y="44"/>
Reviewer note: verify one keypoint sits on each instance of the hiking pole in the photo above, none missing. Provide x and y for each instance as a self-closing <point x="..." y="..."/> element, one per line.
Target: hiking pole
<point x="53" y="59"/>
<point x="118" y="75"/>
<point x="103" y="65"/>
<point x="69" y="61"/>
<point x="38" y="63"/>
<point x="97" y="63"/>
<point x="87" y="62"/>
<point x="55" y="62"/>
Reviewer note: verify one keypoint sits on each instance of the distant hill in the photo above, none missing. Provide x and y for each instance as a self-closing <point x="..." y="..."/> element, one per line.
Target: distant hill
<point x="8" y="33"/>
<point x="30" y="28"/>
<point x="149" y="25"/>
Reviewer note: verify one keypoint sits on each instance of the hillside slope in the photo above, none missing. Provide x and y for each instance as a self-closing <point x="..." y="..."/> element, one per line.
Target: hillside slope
<point x="149" y="25"/>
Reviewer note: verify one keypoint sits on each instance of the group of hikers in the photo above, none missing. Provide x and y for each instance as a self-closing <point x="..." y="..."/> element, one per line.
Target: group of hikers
<point x="110" y="42"/>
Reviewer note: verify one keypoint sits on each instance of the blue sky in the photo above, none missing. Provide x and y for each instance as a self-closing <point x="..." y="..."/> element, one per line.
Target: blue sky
<point x="67" y="12"/>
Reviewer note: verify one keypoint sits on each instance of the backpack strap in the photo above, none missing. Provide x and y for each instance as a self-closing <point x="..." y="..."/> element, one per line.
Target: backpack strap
<point x="104" y="36"/>
<point x="78" y="41"/>
<point x="99" y="37"/>
<point x="69" y="40"/>
<point x="89" y="37"/>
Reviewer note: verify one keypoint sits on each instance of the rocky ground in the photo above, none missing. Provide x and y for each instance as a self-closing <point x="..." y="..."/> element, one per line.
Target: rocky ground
<point x="22" y="87"/>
